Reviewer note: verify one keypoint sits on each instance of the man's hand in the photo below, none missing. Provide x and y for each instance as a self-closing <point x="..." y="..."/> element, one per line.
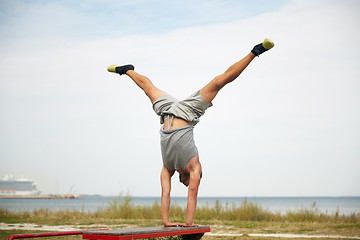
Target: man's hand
<point x="190" y="225"/>
<point x="175" y="224"/>
<point x="171" y="224"/>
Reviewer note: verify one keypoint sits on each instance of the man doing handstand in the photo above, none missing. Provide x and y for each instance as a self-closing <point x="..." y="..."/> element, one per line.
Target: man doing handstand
<point x="178" y="118"/>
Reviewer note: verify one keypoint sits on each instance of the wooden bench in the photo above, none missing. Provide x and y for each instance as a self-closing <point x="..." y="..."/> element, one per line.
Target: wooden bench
<point x="147" y="232"/>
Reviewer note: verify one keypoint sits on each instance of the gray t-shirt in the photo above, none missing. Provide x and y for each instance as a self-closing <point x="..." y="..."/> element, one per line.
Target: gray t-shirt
<point x="178" y="146"/>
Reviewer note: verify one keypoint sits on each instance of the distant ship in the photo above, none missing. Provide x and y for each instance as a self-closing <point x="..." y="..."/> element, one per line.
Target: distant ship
<point x="19" y="187"/>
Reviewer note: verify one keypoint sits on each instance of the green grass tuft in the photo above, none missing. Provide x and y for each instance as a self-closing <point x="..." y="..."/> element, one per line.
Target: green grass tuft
<point x="122" y="207"/>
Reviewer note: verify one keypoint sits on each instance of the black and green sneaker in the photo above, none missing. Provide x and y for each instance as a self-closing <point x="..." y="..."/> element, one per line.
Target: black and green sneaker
<point x="262" y="47"/>
<point x="120" y="69"/>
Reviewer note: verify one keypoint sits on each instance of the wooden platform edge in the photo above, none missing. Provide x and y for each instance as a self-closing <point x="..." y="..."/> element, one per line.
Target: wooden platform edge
<point x="141" y="233"/>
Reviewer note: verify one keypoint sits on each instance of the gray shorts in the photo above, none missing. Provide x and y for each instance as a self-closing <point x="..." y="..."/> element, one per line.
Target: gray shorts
<point x="190" y="109"/>
<point x="178" y="145"/>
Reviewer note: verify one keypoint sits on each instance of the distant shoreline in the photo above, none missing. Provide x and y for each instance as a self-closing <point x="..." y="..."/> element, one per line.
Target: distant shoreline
<point x="282" y="205"/>
<point x="50" y="196"/>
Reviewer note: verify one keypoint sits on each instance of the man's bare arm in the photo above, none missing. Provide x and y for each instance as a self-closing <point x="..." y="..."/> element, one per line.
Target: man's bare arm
<point x="194" y="183"/>
<point x="165" y="178"/>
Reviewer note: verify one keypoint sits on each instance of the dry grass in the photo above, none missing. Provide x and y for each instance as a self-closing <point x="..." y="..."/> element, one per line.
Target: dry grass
<point x="244" y="218"/>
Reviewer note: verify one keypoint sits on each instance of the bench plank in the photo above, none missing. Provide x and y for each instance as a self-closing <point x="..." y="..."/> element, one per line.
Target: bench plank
<point x="146" y="232"/>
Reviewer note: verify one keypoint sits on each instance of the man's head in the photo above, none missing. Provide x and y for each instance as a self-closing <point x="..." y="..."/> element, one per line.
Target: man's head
<point x="185" y="178"/>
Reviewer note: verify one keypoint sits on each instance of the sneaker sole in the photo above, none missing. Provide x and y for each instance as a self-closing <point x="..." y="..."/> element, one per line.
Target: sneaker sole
<point x="111" y="68"/>
<point x="267" y="44"/>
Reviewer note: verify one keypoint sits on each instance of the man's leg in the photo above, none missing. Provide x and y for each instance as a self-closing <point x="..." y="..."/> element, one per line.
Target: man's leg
<point x="143" y="82"/>
<point x="146" y="85"/>
<point x="213" y="87"/>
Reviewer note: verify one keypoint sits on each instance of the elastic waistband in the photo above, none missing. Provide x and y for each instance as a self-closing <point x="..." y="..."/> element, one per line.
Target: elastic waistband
<point x="176" y="129"/>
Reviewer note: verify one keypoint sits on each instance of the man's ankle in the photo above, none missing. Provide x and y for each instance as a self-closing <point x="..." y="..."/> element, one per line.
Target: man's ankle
<point x="120" y="69"/>
<point x="123" y="69"/>
<point x="266" y="45"/>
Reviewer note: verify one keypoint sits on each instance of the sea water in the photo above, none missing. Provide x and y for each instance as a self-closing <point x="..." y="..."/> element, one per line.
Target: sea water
<point x="329" y="205"/>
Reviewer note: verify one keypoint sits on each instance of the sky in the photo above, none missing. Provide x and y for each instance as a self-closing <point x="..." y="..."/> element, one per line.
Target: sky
<point x="288" y="126"/>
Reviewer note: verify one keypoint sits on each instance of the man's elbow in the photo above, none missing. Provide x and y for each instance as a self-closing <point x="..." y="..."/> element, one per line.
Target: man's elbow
<point x="165" y="193"/>
<point x="193" y="188"/>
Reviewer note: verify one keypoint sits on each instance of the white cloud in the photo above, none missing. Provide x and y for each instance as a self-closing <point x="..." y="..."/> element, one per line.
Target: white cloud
<point x="292" y="115"/>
